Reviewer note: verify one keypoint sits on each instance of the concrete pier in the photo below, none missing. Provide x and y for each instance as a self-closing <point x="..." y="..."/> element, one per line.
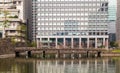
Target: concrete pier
<point x="57" y="53"/>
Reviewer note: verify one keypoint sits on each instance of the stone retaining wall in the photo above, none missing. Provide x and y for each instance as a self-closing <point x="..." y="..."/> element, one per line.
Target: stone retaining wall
<point x="6" y="46"/>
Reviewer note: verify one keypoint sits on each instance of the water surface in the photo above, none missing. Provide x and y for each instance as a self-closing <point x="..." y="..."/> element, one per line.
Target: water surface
<point x="22" y="65"/>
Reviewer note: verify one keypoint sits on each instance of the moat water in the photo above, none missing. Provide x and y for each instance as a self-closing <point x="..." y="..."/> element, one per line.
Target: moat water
<point x="32" y="65"/>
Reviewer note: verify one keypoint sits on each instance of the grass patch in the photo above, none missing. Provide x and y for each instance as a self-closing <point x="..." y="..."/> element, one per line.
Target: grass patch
<point x="117" y="50"/>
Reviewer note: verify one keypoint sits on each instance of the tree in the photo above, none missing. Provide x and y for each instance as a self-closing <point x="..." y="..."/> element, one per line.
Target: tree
<point x="102" y="46"/>
<point x="114" y="44"/>
<point x="31" y="44"/>
<point x="5" y="22"/>
<point x="22" y="31"/>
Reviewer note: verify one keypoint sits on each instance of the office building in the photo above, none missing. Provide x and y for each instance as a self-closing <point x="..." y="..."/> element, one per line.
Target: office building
<point x="70" y="23"/>
<point x="118" y="23"/>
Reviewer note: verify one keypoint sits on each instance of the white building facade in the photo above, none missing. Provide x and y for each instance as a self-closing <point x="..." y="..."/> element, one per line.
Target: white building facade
<point x="70" y="23"/>
<point x="16" y="17"/>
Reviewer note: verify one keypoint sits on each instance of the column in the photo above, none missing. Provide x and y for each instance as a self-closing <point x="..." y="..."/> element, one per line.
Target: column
<point x="80" y="43"/>
<point x="56" y="55"/>
<point x="3" y="34"/>
<point x="56" y="43"/>
<point x="64" y="43"/>
<point x="104" y="42"/>
<point x="87" y="42"/>
<point x="79" y="55"/>
<point x="48" y="42"/>
<point x="72" y="43"/>
<point x="38" y="43"/>
<point x="26" y="54"/>
<point x="95" y="42"/>
<point x="72" y="55"/>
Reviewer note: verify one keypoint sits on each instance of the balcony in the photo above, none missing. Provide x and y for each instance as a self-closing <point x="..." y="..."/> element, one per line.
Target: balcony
<point x="10" y="19"/>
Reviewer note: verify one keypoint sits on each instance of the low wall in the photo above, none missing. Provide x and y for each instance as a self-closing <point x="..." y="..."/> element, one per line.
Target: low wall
<point x="110" y="54"/>
<point x="7" y="56"/>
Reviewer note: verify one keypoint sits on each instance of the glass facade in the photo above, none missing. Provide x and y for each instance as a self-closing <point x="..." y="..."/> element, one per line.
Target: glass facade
<point x="112" y="9"/>
<point x="70" y="18"/>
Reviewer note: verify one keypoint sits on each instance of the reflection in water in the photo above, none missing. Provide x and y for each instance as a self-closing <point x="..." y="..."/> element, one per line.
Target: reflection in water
<point x="81" y="66"/>
<point x="111" y="65"/>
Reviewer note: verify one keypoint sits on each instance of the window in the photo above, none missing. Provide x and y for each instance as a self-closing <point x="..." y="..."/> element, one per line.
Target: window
<point x="19" y="2"/>
<point x="14" y="2"/>
<point x="106" y="4"/>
